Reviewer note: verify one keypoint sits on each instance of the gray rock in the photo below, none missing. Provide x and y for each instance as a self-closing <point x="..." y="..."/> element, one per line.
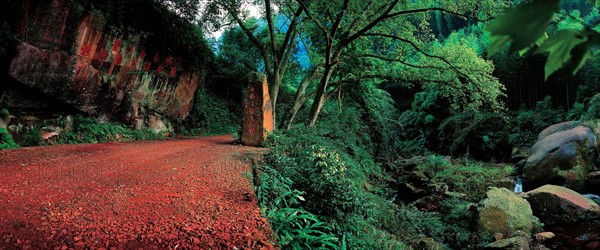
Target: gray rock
<point x="560" y="156"/>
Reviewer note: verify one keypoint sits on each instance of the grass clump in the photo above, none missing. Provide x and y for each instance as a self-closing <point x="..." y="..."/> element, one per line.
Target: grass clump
<point x="6" y="140"/>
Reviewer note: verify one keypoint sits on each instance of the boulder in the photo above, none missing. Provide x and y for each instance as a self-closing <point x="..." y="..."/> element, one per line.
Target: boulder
<point x="514" y="243"/>
<point x="505" y="212"/>
<point x="556" y="204"/>
<point x="557" y="128"/>
<point x="561" y="156"/>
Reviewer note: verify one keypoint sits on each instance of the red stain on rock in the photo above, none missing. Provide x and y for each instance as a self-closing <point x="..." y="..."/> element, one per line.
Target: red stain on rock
<point x="188" y="194"/>
<point x="77" y="75"/>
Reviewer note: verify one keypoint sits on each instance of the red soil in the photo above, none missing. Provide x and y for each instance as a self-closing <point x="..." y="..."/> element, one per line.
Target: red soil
<point x="193" y="193"/>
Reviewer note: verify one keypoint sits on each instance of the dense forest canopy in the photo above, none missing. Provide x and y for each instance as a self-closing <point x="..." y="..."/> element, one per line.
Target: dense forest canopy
<point x="393" y="117"/>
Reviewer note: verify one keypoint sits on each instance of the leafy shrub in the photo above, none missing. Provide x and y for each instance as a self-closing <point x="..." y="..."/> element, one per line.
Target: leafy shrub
<point x="294" y="227"/>
<point x="421" y="122"/>
<point x="88" y="130"/>
<point x="414" y="224"/>
<point x="143" y="134"/>
<point x="577" y="111"/>
<point x="6" y="140"/>
<point x="32" y="137"/>
<point x="482" y="136"/>
<point x="330" y="167"/>
<point x="461" y="224"/>
<point x="465" y="176"/>
<point x="213" y="115"/>
<point x="593" y="111"/>
<point x="530" y="122"/>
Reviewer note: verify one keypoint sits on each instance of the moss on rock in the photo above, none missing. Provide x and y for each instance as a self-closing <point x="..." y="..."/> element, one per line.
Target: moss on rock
<point x="505" y="212"/>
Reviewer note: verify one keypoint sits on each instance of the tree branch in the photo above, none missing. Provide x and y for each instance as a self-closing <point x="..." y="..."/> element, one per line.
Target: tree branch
<point x="313" y="18"/>
<point x="250" y="35"/>
<point x="406" y="12"/>
<point x="368" y="27"/>
<point x="338" y="19"/>
<point x="271" y="32"/>
<point x="416" y="47"/>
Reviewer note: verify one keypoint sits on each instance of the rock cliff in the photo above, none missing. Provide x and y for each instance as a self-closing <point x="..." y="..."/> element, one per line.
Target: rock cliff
<point x="82" y="62"/>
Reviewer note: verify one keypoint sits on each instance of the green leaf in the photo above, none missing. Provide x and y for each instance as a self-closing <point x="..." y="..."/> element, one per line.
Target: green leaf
<point x="559" y="47"/>
<point x="582" y="53"/>
<point x="523" y="25"/>
<point x="596" y="3"/>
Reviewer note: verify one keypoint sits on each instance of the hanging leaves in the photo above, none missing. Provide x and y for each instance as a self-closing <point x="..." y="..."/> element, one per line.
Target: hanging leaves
<point x="522" y="25"/>
<point x="527" y="23"/>
<point x="559" y="47"/>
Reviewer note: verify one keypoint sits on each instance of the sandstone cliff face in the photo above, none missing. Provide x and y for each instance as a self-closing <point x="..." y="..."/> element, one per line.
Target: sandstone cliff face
<point x="98" y="71"/>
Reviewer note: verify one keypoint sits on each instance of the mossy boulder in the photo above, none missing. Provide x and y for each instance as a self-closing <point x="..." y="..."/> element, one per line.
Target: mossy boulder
<point x="505" y="212"/>
<point x="514" y="243"/>
<point x="563" y="155"/>
<point x="556" y="204"/>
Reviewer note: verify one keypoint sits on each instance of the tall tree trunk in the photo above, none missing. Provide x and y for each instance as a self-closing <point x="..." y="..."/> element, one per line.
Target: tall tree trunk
<point x="320" y="96"/>
<point x="273" y="92"/>
<point x="300" y="98"/>
<point x="294" y="111"/>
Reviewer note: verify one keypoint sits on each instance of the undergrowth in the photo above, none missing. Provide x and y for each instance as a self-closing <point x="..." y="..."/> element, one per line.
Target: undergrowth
<point x="212" y="115"/>
<point x="88" y="130"/>
<point x="326" y="187"/>
<point x="6" y="140"/>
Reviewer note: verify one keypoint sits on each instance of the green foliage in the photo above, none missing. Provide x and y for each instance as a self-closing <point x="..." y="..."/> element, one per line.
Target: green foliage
<point x="328" y="171"/>
<point x="576" y="112"/>
<point x="236" y="54"/>
<point x="32" y="137"/>
<point x="415" y="224"/>
<point x="559" y="47"/>
<point x="533" y="18"/>
<point x="528" y="123"/>
<point x="593" y="111"/>
<point x="88" y="130"/>
<point x="465" y="176"/>
<point x="143" y="134"/>
<point x="381" y="116"/>
<point x="482" y="136"/>
<point x="6" y="140"/>
<point x="294" y="227"/>
<point x="212" y="114"/>
<point x="298" y="229"/>
<point x="4" y="113"/>
<point x="567" y="48"/>
<point x="467" y="83"/>
<point x="420" y="123"/>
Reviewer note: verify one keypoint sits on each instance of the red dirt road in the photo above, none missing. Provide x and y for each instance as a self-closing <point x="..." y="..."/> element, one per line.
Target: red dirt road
<point x="193" y="193"/>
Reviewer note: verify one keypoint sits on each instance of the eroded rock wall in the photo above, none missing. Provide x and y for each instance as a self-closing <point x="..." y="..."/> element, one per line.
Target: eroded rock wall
<point x="99" y="71"/>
